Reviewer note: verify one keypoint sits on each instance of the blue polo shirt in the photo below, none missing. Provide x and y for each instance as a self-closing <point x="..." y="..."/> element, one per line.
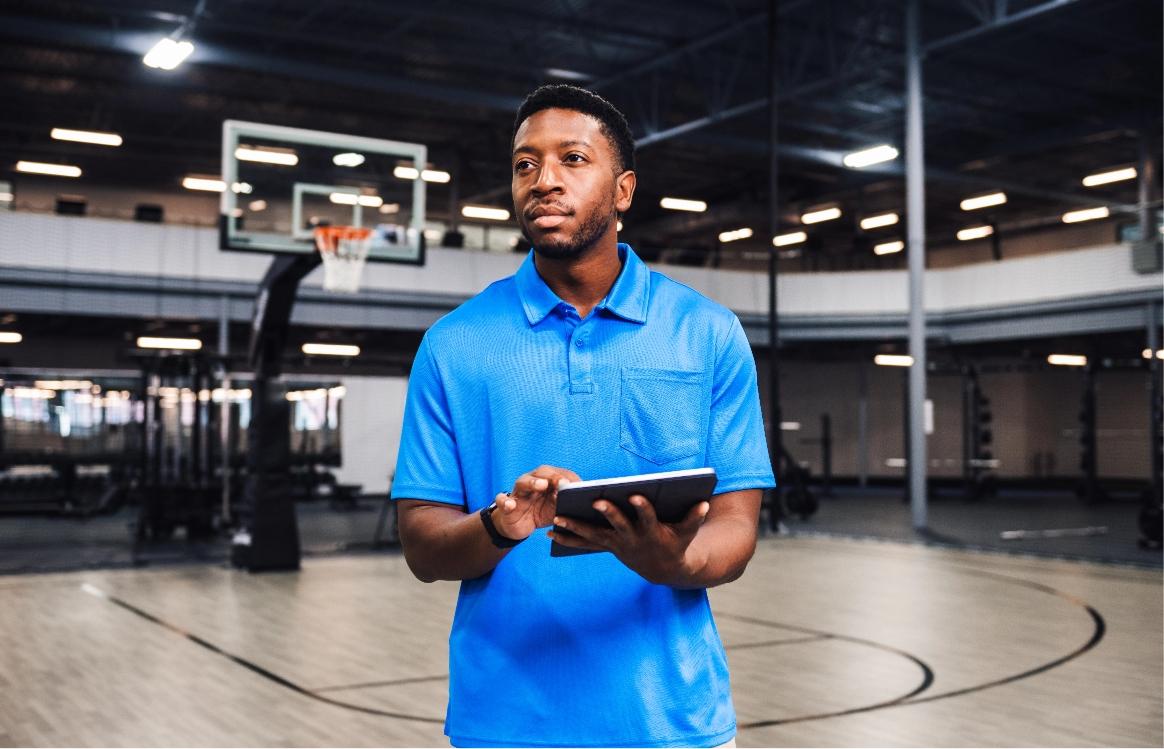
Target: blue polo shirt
<point x="581" y="651"/>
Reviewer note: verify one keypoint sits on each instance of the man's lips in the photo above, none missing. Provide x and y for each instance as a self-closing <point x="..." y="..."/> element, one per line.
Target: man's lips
<point x="548" y="216"/>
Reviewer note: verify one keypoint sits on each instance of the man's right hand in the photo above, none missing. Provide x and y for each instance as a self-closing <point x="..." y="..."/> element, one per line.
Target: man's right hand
<point x="530" y="505"/>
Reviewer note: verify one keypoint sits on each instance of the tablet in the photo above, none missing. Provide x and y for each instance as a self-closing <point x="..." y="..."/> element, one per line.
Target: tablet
<point x="672" y="493"/>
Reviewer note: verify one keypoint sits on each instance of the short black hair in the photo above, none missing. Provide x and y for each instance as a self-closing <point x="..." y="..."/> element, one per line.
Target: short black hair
<point x="565" y="96"/>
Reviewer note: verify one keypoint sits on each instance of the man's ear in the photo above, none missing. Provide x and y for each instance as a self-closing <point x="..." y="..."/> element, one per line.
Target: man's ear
<point x="624" y="186"/>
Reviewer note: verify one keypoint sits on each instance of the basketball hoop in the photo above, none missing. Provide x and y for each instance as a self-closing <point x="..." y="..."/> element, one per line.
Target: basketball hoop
<point x="344" y="250"/>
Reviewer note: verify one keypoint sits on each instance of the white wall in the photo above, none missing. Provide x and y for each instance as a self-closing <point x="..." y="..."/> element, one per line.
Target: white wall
<point x="373" y="412"/>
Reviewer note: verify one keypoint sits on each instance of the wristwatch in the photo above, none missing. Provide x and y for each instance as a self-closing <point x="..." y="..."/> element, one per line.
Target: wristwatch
<point x="495" y="536"/>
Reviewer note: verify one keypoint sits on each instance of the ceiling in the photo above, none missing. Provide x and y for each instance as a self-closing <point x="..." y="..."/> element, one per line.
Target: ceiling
<point x="1027" y="96"/>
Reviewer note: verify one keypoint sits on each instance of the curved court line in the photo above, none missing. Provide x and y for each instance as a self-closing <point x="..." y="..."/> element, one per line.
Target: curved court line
<point x="1100" y="628"/>
<point x="926" y="682"/>
<point x="253" y="667"/>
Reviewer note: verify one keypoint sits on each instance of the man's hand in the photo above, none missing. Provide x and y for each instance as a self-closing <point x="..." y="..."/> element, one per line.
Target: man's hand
<point x="530" y="505"/>
<point x="660" y="552"/>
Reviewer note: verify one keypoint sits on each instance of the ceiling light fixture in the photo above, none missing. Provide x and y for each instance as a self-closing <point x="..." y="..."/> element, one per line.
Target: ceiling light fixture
<point x="8" y="336"/>
<point x="784" y="240"/>
<point x="735" y="235"/>
<point x="975" y="232"/>
<point x="167" y="54"/>
<point x="824" y="214"/>
<point x="1087" y="214"/>
<point x="348" y="159"/>
<point x="893" y="360"/>
<point x="880" y="220"/>
<point x="1067" y="360"/>
<point x="55" y="170"/>
<point x="983" y="201"/>
<point x="176" y="344"/>
<point x="870" y="156"/>
<point x="683" y="204"/>
<point x="330" y="349"/>
<point x="261" y="155"/>
<point x="1106" y="178"/>
<point x="888" y="248"/>
<point x="485" y="212"/>
<point x="85" y="136"/>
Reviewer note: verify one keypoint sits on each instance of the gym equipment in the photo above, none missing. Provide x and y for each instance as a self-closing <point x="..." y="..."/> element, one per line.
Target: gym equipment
<point x="978" y="462"/>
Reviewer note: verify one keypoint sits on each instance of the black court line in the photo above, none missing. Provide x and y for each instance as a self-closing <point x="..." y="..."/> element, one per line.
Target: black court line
<point x="389" y="683"/>
<point x="926" y="681"/>
<point x="1098" y="631"/>
<point x="770" y="643"/>
<point x="255" y="668"/>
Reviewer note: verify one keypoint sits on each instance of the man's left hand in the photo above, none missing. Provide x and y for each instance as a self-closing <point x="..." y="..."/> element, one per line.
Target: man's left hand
<point x="658" y="551"/>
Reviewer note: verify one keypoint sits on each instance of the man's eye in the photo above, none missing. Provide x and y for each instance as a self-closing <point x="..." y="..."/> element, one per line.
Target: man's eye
<point x="575" y="158"/>
<point x="522" y="165"/>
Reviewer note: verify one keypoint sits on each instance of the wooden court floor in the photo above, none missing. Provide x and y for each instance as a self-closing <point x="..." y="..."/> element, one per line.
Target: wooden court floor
<point x="831" y="642"/>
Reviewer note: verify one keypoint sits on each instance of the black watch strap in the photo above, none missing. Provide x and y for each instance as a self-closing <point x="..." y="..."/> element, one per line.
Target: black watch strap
<point x="495" y="536"/>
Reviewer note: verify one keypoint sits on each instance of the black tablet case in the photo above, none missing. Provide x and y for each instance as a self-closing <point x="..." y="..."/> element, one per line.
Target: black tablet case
<point x="671" y="497"/>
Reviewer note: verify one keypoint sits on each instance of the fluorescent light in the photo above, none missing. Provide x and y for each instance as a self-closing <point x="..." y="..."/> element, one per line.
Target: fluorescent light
<point x="485" y="212"/>
<point x="1087" y="214"/>
<point x="279" y="156"/>
<point x="735" y="234"/>
<point x="167" y="54"/>
<point x="783" y="240"/>
<point x="348" y="159"/>
<point x="257" y="205"/>
<point x="1146" y="353"/>
<point x="181" y="344"/>
<point x="6" y="197"/>
<point x="881" y="219"/>
<point x="56" y="170"/>
<point x="983" y="201"/>
<point x="330" y="349"/>
<point x="208" y="184"/>
<point x="1105" y="178"/>
<point x="893" y="360"/>
<point x="975" y="232"/>
<point x="790" y="426"/>
<point x="86" y="136"/>
<point x="682" y="204"/>
<point x="870" y="156"/>
<point x="10" y="337"/>
<point x="241" y="187"/>
<point x="1067" y="360"/>
<point x="350" y="198"/>
<point x="568" y="75"/>
<point x="390" y="208"/>
<point x="428" y="175"/>
<point x="888" y="248"/>
<point x="824" y="214"/>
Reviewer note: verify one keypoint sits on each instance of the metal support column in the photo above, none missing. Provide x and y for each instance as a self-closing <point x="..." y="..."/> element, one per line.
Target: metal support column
<point x="1145" y="169"/>
<point x="1154" y="403"/>
<point x="915" y="213"/>
<point x="775" y="446"/>
<point x="863" y="426"/>
<point x="223" y="378"/>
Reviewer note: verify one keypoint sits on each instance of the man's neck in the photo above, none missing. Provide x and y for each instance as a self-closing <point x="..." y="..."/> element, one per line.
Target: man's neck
<point x="582" y="281"/>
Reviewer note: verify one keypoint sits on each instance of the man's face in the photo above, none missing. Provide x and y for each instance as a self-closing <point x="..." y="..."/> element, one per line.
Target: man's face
<point x="568" y="187"/>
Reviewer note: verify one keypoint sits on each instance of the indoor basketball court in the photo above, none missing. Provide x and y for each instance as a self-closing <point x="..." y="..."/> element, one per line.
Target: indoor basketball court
<point x="227" y="228"/>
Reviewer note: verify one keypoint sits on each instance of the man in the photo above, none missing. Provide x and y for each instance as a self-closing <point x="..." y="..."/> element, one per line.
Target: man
<point x="586" y="364"/>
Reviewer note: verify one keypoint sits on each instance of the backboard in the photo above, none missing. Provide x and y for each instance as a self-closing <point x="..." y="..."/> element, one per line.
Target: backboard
<point x="279" y="183"/>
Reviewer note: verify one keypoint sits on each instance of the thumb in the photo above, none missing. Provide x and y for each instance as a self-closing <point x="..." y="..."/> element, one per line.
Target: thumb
<point x="695" y="517"/>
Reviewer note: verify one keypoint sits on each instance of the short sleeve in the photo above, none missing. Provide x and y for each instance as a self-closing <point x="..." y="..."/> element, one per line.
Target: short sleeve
<point x="427" y="465"/>
<point x="737" y="446"/>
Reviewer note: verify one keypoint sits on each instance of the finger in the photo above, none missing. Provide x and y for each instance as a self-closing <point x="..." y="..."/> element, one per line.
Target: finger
<point x="614" y="516"/>
<point x="528" y="484"/>
<point x="646" y="511"/>
<point x="505" y="502"/>
<point x="588" y="532"/>
<point x="574" y="542"/>
<point x="695" y="517"/>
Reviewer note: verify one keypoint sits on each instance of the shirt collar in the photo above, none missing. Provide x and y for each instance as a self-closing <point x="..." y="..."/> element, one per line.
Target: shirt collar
<point x="628" y="297"/>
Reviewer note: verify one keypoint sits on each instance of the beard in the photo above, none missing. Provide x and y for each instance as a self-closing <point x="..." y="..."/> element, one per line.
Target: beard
<point x="561" y="247"/>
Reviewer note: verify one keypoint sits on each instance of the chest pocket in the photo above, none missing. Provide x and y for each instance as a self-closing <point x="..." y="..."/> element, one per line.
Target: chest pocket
<point x="664" y="417"/>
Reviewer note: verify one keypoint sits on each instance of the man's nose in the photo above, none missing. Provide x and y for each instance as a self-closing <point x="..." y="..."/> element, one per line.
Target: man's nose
<point x="548" y="179"/>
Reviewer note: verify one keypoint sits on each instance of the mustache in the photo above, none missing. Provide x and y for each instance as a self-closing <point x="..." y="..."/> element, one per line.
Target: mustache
<point x="557" y="207"/>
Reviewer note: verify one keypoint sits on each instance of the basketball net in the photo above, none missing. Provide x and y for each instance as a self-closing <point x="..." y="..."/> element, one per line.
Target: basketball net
<point x="344" y="250"/>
